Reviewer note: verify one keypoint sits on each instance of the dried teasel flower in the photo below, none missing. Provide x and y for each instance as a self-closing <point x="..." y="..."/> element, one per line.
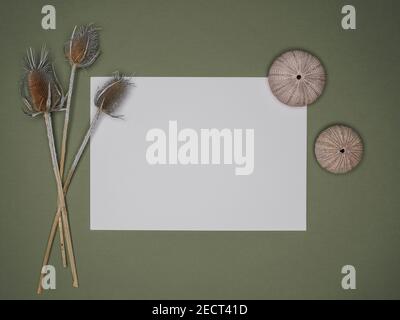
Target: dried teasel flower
<point x="40" y="89"/>
<point x="110" y="96"/>
<point x="42" y="94"/>
<point x="83" y="48"/>
<point x="107" y="99"/>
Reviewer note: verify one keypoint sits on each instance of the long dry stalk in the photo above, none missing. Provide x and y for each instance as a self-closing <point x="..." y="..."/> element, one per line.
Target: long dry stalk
<point x="61" y="205"/>
<point x="64" y="152"/>
<point x="66" y="120"/>
<point x="62" y="243"/>
<point x="82" y="148"/>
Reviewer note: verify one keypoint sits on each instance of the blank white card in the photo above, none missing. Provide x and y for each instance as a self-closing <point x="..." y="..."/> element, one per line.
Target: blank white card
<point x="199" y="154"/>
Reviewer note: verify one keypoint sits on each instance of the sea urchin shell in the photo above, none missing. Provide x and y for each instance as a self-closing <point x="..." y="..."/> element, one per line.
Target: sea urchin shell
<point x="297" y="78"/>
<point x="339" y="149"/>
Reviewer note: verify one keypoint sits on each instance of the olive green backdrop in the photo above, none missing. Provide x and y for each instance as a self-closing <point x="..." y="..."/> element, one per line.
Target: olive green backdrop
<point x="352" y="219"/>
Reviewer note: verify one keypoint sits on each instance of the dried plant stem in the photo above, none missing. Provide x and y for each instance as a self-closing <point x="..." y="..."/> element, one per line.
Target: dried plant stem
<point x="66" y="121"/>
<point x="61" y="205"/>
<point x="62" y="244"/>
<point x="82" y="148"/>
<point x="63" y="153"/>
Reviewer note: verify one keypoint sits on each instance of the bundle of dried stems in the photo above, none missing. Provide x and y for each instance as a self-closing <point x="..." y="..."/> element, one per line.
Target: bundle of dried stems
<point x="42" y="94"/>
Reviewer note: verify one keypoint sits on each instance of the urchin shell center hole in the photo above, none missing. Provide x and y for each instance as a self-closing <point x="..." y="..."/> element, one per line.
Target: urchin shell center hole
<point x="342" y="150"/>
<point x="298" y="77"/>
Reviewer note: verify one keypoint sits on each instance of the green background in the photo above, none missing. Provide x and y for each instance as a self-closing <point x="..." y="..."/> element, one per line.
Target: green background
<point x="352" y="219"/>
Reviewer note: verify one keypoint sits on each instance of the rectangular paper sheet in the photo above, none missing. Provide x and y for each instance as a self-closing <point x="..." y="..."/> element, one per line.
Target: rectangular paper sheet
<point x="127" y="193"/>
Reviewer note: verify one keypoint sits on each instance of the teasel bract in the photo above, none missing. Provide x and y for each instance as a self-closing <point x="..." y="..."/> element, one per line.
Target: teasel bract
<point x="42" y="94"/>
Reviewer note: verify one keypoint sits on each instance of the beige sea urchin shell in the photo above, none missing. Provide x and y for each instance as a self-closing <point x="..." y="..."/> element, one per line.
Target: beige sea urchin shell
<point x="339" y="149"/>
<point x="297" y="78"/>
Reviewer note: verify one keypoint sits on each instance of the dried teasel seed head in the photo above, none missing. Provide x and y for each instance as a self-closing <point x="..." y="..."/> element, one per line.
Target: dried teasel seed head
<point x="83" y="47"/>
<point x="40" y="90"/>
<point x="111" y="94"/>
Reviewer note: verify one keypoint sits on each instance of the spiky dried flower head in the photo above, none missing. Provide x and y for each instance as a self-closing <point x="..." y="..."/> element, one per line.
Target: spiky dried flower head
<point x="110" y="96"/>
<point x="83" y="48"/>
<point x="40" y="89"/>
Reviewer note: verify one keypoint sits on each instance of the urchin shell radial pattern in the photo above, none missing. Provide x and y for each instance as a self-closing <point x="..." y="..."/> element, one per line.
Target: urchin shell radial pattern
<point x="339" y="149"/>
<point x="297" y="78"/>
